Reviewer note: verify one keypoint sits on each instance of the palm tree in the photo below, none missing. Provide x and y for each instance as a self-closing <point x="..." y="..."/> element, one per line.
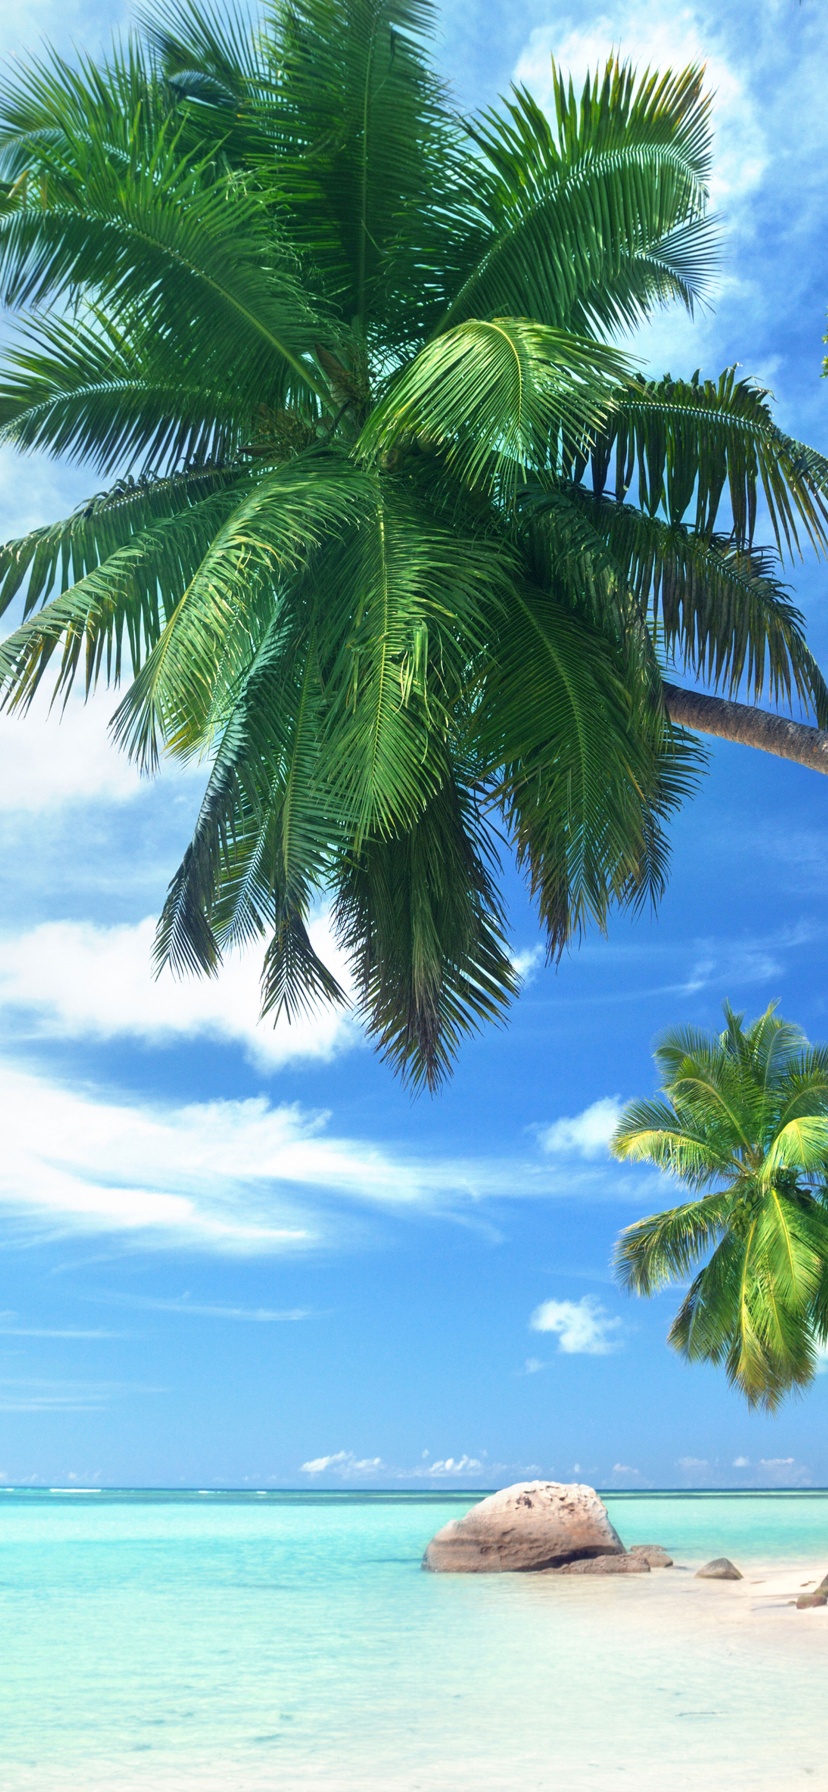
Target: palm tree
<point x="398" y="540"/>
<point x="743" y="1122"/>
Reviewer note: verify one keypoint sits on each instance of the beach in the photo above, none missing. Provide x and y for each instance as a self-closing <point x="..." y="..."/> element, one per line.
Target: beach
<point x="246" y="1642"/>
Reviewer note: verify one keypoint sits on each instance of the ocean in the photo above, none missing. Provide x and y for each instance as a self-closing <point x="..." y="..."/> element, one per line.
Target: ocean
<point x="157" y="1642"/>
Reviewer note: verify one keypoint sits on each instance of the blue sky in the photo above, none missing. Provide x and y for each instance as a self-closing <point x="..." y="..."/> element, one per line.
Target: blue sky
<point x="234" y="1257"/>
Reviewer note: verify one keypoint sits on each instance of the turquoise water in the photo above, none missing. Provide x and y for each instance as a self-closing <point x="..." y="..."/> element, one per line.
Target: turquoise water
<point x="155" y="1642"/>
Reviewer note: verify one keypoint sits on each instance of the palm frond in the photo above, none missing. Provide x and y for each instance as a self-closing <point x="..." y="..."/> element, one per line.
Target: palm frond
<point x="224" y="611"/>
<point x="583" y="778"/>
<point x="108" y="398"/>
<point x="590" y="221"/>
<point x="664" y="1246"/>
<point x="801" y="1144"/>
<point x="496" y="398"/>
<point x="117" y="210"/>
<point x="49" y="560"/>
<point x="686" y="444"/>
<point x="410" y="601"/>
<point x="421" y="920"/>
<point x="369" y="159"/>
<point x="118" y="609"/>
<point x="680" y="1143"/>
<point x="719" y="610"/>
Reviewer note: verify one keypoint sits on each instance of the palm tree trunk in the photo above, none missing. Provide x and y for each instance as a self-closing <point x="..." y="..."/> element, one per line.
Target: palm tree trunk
<point x="750" y="727"/>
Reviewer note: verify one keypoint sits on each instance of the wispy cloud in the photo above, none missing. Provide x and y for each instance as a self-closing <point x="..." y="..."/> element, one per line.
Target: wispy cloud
<point x="194" y="1309"/>
<point x="624" y="1472"/>
<point x="29" y="1394"/>
<point x="583" y="1327"/>
<point x="10" y="1327"/>
<point x="229" y="1176"/>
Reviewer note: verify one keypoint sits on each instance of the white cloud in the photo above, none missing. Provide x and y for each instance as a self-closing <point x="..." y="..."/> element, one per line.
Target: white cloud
<point x="528" y="962"/>
<point x="49" y="758"/>
<point x="345" y="1464"/>
<point x="456" y="1465"/>
<point x="342" y="1462"/>
<point x="583" y="1326"/>
<point x="78" y="980"/>
<point x="773" y="1471"/>
<point x="533" y="1365"/>
<point x="583" y="1135"/>
<point x="782" y="1471"/>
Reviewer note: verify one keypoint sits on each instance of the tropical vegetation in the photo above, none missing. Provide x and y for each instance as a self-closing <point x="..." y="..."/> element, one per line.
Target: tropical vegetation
<point x="742" y="1121"/>
<point x="396" y="539"/>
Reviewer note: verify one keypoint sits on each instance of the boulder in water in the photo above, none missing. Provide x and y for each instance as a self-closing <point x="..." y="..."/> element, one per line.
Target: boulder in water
<point x="528" y="1527"/>
<point x="652" y="1554"/>
<point x="625" y="1564"/>
<point x="719" y="1569"/>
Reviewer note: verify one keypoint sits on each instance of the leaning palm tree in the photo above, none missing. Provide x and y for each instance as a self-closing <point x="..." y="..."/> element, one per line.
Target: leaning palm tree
<point x="398" y="541"/>
<point x="743" y="1121"/>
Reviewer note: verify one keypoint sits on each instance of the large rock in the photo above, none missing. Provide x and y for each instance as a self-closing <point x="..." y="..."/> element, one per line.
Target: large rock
<point x="808" y="1601"/>
<point x="719" y="1569"/>
<point x="626" y="1564"/>
<point x="531" y="1526"/>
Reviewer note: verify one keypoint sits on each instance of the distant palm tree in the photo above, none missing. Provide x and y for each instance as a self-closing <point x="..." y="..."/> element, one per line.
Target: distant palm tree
<point x="410" y="546"/>
<point x="744" y="1123"/>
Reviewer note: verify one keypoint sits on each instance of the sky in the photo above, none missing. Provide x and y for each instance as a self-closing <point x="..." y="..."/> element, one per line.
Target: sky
<point x="237" y="1257"/>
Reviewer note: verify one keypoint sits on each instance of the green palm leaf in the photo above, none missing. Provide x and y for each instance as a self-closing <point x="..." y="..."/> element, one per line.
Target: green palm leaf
<point x="689" y="442"/>
<point x="497" y="396"/>
<point x="422" y="922"/>
<point x="593" y="220"/>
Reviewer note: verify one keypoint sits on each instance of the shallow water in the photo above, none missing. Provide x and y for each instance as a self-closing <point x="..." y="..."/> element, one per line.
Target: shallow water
<point x="254" y="1643"/>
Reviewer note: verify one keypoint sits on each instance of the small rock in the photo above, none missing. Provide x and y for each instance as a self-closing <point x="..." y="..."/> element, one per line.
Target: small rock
<point x="806" y="1601"/>
<point x="823" y="1585"/>
<point x="626" y="1564"/>
<point x="652" y="1553"/>
<point x="720" y="1569"/>
<point x="528" y="1527"/>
